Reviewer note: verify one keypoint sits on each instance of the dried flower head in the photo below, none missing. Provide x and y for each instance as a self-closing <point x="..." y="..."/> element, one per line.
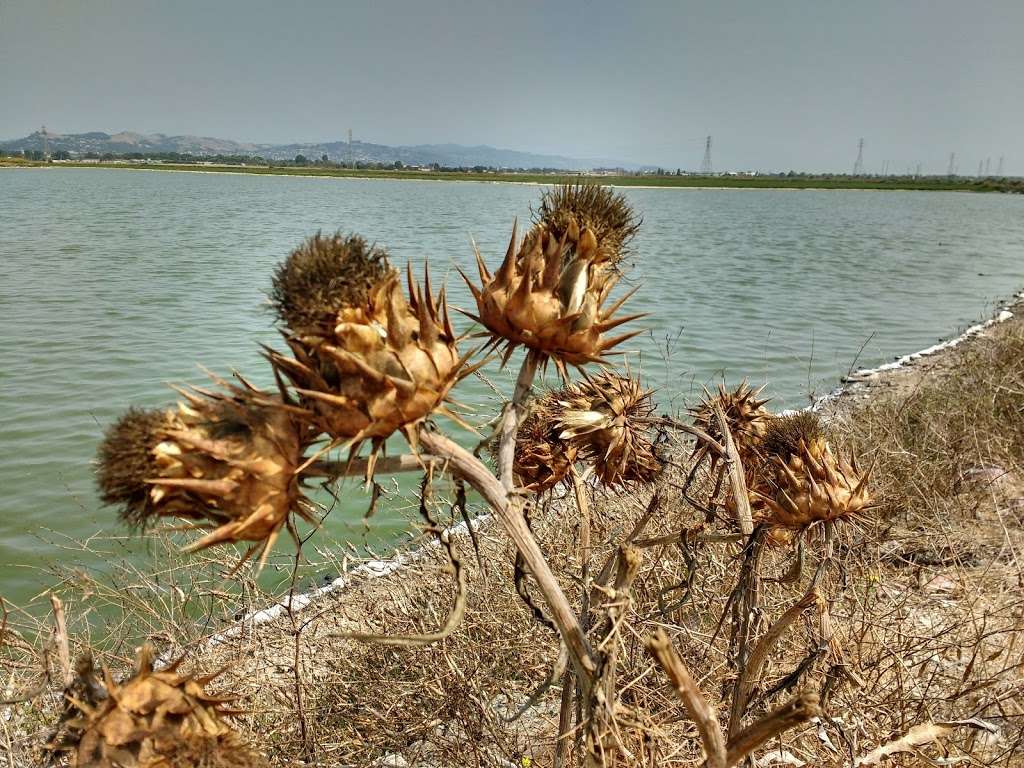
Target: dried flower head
<point x="324" y="276"/>
<point x="227" y="458"/>
<point x="570" y="210"/>
<point x="542" y="458"/>
<point x="550" y="291"/>
<point x="785" y="436"/>
<point x="604" y="416"/>
<point x="745" y="415"/>
<point x="367" y="362"/>
<point x="125" y="459"/>
<point x="802" y="481"/>
<point x="153" y="720"/>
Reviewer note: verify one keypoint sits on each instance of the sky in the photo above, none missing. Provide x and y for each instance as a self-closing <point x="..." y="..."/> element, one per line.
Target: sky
<point x="779" y="85"/>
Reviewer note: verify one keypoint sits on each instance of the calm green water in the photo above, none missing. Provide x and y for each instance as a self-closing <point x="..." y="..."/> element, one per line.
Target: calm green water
<point x="113" y="283"/>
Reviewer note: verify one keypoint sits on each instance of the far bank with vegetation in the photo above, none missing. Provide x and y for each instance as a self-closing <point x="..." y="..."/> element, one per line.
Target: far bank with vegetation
<point x="660" y="177"/>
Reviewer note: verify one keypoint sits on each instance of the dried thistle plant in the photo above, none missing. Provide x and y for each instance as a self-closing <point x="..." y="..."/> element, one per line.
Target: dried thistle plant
<point x="367" y="361"/>
<point x="602" y="422"/>
<point x="155" y="719"/>
<point x="803" y="480"/>
<point x="606" y="416"/>
<point x="543" y="459"/>
<point x="549" y="293"/>
<point x="227" y="459"/>
<point x="745" y="414"/>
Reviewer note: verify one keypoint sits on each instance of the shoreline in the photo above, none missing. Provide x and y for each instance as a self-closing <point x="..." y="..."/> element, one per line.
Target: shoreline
<point x="929" y="184"/>
<point x="859" y="385"/>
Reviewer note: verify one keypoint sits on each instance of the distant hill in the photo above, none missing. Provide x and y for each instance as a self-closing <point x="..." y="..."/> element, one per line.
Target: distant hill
<point x="448" y="155"/>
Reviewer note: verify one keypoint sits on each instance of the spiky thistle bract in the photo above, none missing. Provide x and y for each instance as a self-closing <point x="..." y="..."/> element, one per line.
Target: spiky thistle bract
<point x="155" y="719"/>
<point x="225" y="458"/>
<point x="366" y="360"/>
<point x="551" y="290"/>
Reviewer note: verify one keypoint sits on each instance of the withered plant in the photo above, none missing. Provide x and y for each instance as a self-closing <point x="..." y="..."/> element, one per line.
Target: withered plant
<point x="370" y="360"/>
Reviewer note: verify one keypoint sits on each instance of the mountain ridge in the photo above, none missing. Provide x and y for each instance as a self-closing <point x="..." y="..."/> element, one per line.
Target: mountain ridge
<point x="445" y="154"/>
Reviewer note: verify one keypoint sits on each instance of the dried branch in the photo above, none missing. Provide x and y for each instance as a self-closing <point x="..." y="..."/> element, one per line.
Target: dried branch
<point x="60" y="639"/>
<point x="798" y="711"/>
<point x="464" y="464"/>
<point x="356" y="467"/>
<point x="703" y="716"/>
<point x="749" y="675"/>
<point x="746" y="602"/>
<point x="736" y="476"/>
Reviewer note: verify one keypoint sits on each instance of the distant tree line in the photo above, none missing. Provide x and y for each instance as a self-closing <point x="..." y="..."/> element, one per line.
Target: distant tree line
<point x="1006" y="184"/>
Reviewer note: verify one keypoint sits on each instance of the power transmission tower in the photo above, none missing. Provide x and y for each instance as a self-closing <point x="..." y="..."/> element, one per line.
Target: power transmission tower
<point x="705" y="166"/>
<point x="999" y="168"/>
<point x="46" y="143"/>
<point x="350" y="164"/>
<point x="858" y="166"/>
<point x="951" y="171"/>
<point x="979" y="169"/>
<point x="988" y="161"/>
<point x="918" y="171"/>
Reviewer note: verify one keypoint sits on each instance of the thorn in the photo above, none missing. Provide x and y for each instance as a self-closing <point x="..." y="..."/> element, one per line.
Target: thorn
<point x="619" y="339"/>
<point x="428" y="326"/>
<point x="428" y="292"/>
<point x="618" y="304"/>
<point x="470" y="315"/>
<point x="448" y="413"/>
<point x="449" y="331"/>
<point x="267" y="545"/>
<point x="508" y="353"/>
<point x="609" y="324"/>
<point x="508" y="266"/>
<point x="485" y="276"/>
<point x="414" y="295"/>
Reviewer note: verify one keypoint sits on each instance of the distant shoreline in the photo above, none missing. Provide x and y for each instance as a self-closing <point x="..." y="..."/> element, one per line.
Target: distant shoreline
<point x="928" y="184"/>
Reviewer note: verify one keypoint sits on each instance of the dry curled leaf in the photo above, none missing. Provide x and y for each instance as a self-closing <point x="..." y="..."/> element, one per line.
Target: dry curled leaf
<point x="919" y="736"/>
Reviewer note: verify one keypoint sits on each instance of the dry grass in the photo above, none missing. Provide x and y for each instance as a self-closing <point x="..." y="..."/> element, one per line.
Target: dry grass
<point x="915" y="618"/>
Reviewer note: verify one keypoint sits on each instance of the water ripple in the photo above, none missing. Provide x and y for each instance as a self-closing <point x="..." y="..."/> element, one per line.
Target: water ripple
<point x="113" y="283"/>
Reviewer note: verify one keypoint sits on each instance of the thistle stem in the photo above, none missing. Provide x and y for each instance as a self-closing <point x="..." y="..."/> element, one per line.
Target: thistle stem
<point x="356" y="467"/>
<point x="506" y="509"/>
<point x="509" y="425"/>
<point x="736" y="476"/>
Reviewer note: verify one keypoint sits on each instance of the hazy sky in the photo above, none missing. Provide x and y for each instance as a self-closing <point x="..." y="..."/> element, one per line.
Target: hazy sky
<point x="778" y="84"/>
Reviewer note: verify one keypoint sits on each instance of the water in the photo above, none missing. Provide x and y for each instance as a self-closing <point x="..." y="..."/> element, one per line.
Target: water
<point x="113" y="283"/>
